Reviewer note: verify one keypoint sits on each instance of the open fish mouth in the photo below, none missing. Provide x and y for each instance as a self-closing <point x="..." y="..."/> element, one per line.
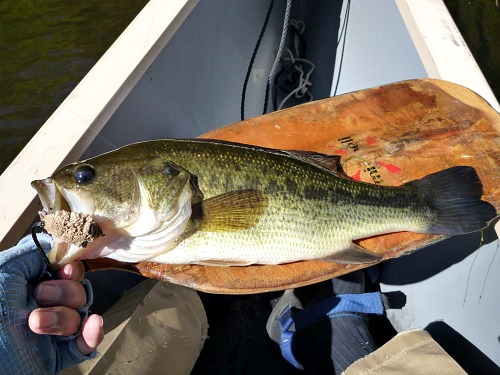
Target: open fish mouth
<point x="47" y="191"/>
<point x="56" y="215"/>
<point x="52" y="200"/>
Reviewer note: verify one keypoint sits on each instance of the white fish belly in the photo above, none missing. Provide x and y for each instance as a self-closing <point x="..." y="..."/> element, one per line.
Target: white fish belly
<point x="219" y="248"/>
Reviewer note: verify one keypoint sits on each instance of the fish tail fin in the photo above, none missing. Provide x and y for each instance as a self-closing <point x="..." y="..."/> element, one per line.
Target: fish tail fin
<point x="454" y="196"/>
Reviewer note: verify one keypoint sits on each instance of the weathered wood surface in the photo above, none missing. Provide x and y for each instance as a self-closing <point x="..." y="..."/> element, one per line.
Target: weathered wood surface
<point x="387" y="135"/>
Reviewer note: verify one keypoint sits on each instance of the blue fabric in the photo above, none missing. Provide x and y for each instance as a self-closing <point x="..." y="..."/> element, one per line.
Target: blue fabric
<point x="333" y="307"/>
<point x="21" y="350"/>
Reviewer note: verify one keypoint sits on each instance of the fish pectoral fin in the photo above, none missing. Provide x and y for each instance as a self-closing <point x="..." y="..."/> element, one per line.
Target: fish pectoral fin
<point x="232" y="211"/>
<point x="354" y="254"/>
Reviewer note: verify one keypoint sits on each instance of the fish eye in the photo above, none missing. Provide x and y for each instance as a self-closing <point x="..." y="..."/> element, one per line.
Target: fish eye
<point x="84" y="174"/>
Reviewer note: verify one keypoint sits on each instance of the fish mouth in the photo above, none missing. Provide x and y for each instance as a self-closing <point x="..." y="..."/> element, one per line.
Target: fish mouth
<point x="50" y="197"/>
<point x="53" y="201"/>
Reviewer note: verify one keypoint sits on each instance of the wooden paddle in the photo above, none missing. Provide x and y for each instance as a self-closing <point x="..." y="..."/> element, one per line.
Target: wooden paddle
<point x="386" y="135"/>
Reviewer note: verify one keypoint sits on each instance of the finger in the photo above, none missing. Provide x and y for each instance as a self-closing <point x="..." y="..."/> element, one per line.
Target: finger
<point x="61" y="321"/>
<point x="67" y="293"/>
<point x="92" y="334"/>
<point x="71" y="271"/>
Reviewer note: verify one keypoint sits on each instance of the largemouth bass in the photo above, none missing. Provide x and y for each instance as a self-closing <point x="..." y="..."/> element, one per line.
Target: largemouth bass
<point x="220" y="203"/>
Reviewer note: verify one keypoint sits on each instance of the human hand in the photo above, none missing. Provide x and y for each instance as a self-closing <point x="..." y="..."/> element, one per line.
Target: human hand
<point x="59" y="300"/>
<point x="40" y="327"/>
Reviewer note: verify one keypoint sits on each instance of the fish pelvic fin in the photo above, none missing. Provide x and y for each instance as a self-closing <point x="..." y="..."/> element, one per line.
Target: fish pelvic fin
<point x="354" y="254"/>
<point x="454" y="197"/>
<point x="232" y="211"/>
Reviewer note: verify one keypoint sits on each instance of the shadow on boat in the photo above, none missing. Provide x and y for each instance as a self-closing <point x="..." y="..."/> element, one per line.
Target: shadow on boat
<point x="434" y="259"/>
<point x="472" y="360"/>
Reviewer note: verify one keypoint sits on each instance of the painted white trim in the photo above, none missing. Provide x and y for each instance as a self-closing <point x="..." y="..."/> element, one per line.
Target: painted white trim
<point x="441" y="47"/>
<point x="86" y="110"/>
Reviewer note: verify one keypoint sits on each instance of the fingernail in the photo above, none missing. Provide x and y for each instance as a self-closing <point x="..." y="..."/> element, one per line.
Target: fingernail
<point x="47" y="293"/>
<point x="47" y="319"/>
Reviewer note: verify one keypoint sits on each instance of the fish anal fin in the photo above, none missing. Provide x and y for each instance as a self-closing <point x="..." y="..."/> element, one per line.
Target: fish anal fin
<point x="232" y="211"/>
<point x="354" y="254"/>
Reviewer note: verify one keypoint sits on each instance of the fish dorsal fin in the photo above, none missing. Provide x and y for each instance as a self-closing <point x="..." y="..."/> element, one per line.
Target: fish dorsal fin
<point x="235" y="210"/>
<point x="329" y="162"/>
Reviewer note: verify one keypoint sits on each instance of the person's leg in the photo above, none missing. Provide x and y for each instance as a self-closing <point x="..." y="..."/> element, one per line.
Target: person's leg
<point x="411" y="352"/>
<point x="325" y="339"/>
<point x="155" y="328"/>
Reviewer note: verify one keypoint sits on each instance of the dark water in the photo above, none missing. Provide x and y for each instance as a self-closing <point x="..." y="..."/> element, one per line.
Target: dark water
<point x="46" y="47"/>
<point x="479" y="24"/>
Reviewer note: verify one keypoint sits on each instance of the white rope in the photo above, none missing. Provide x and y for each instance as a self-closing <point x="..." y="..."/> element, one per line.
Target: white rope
<point x="281" y="47"/>
<point x="304" y="83"/>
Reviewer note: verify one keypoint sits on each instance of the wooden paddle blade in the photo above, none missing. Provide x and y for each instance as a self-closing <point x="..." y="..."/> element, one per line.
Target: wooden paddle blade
<point x="231" y="280"/>
<point x="385" y="135"/>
